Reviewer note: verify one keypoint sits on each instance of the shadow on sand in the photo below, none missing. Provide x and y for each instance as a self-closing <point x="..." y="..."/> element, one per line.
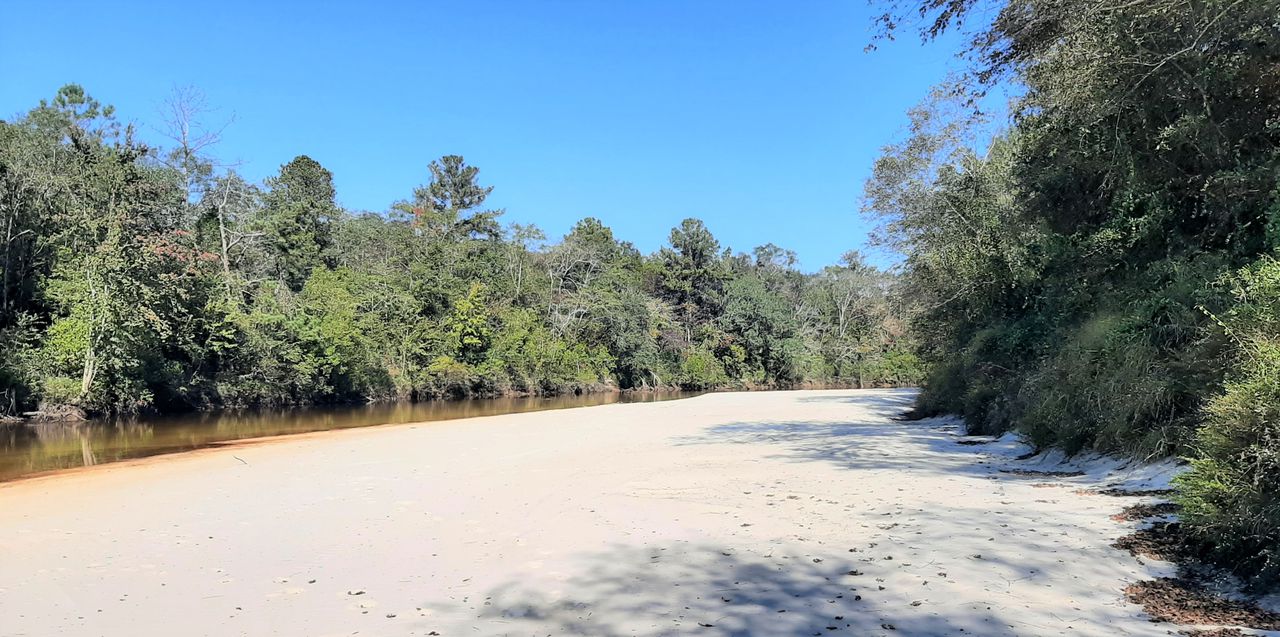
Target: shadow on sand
<point x="707" y="590"/>
<point x="919" y="560"/>
<point x="920" y="446"/>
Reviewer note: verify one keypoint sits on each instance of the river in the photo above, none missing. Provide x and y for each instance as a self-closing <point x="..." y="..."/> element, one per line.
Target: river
<point x="29" y="448"/>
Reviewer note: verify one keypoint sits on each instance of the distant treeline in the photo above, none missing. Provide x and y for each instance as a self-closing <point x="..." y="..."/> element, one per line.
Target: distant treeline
<point x="140" y="278"/>
<point x="1105" y="275"/>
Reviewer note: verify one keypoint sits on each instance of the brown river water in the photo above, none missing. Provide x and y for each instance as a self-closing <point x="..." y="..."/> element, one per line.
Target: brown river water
<point x="29" y="448"/>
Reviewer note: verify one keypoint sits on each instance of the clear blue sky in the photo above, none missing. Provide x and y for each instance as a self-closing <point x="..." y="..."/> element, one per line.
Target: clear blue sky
<point x="761" y="118"/>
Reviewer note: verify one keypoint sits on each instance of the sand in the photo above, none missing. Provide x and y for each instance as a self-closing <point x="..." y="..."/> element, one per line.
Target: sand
<point x="772" y="513"/>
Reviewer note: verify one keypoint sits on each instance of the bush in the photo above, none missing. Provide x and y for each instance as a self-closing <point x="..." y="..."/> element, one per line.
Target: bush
<point x="1231" y="496"/>
<point x="1106" y="387"/>
<point x="60" y="390"/>
<point x="526" y="356"/>
<point x="894" y="367"/>
<point x="21" y="361"/>
<point x="450" y="377"/>
<point x="702" y="370"/>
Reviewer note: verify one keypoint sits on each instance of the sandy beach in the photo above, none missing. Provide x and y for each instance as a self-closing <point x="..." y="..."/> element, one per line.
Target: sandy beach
<point x="772" y="513"/>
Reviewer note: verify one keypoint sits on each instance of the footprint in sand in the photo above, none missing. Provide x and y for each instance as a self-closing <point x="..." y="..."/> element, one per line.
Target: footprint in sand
<point x="364" y="605"/>
<point x="286" y="592"/>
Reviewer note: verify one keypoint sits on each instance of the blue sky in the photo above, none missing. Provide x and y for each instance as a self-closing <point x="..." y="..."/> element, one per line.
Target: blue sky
<point x="761" y="118"/>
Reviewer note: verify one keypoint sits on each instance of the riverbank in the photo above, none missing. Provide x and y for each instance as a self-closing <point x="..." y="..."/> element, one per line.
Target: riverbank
<point x="36" y="447"/>
<point x="70" y="414"/>
<point x="764" y="513"/>
<point x="30" y="449"/>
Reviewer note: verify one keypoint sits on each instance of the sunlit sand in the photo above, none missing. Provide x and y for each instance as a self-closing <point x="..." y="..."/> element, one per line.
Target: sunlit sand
<point x="774" y="513"/>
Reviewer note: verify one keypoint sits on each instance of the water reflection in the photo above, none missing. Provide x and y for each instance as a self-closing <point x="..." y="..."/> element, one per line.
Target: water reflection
<point x="36" y="447"/>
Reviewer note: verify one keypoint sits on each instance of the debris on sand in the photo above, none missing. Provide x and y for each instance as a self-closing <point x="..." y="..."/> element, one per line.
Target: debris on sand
<point x="1043" y="474"/>
<point x="1182" y="601"/>
<point x="1125" y="493"/>
<point x="1143" y="511"/>
<point x="1161" y="541"/>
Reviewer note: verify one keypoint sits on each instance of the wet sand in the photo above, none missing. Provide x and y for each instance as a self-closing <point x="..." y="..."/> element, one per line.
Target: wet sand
<point x="772" y="513"/>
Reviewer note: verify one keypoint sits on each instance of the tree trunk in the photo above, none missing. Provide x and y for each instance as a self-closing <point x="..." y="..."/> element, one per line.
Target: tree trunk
<point x="90" y="369"/>
<point x="8" y="266"/>
<point x="226" y="260"/>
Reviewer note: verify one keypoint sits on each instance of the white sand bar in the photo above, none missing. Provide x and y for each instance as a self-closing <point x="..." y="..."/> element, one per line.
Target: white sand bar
<point x="725" y="514"/>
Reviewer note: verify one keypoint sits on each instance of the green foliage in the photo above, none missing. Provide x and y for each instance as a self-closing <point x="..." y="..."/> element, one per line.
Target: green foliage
<point x="702" y="369"/>
<point x="1064" y="283"/>
<point x="467" y="329"/>
<point x="331" y="323"/>
<point x="762" y="327"/>
<point x="138" y="279"/>
<point x="60" y="390"/>
<point x="1231" y="496"/>
<point x="450" y="377"/>
<point x="262" y="360"/>
<point x="535" y="360"/>
<point x="447" y="207"/>
<point x="298" y="217"/>
<point x="692" y="274"/>
<point x="895" y="367"/>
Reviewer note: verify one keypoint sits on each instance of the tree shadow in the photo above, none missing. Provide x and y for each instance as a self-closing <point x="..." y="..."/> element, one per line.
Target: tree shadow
<point x="940" y="569"/>
<point x="929" y="445"/>
<point x="922" y="572"/>
<point x="877" y="440"/>
<point x="937" y="559"/>
<point x="696" y="588"/>
<point x="891" y="403"/>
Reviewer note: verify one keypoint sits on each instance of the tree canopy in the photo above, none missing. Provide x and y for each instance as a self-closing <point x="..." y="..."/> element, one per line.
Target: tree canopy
<point x="151" y="279"/>
<point x="1098" y="276"/>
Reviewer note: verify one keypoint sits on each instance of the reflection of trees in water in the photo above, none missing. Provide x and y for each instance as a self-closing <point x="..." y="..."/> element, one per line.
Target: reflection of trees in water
<point x="99" y="433"/>
<point x="86" y="447"/>
<point x="43" y="446"/>
<point x="18" y="442"/>
<point x="32" y="447"/>
<point x="113" y="440"/>
<point x="17" y="437"/>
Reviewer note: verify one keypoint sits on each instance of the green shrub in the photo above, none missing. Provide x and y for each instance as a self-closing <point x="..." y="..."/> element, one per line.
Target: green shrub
<point x="526" y="356"/>
<point x="60" y="390"/>
<point x="65" y="343"/>
<point x="450" y="377"/>
<point x="702" y="370"/>
<point x="1106" y="387"/>
<point x="1231" y="495"/>
<point x="894" y="367"/>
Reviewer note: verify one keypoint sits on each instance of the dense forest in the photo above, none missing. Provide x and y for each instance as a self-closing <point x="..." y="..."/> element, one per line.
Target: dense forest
<point x="139" y="278"/>
<point x="1103" y="274"/>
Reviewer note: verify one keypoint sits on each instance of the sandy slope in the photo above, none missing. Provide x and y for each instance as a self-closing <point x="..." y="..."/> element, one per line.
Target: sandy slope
<point x="727" y="514"/>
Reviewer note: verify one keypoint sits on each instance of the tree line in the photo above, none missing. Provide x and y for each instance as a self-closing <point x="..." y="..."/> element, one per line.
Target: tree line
<point x="1104" y="274"/>
<point x="140" y="278"/>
